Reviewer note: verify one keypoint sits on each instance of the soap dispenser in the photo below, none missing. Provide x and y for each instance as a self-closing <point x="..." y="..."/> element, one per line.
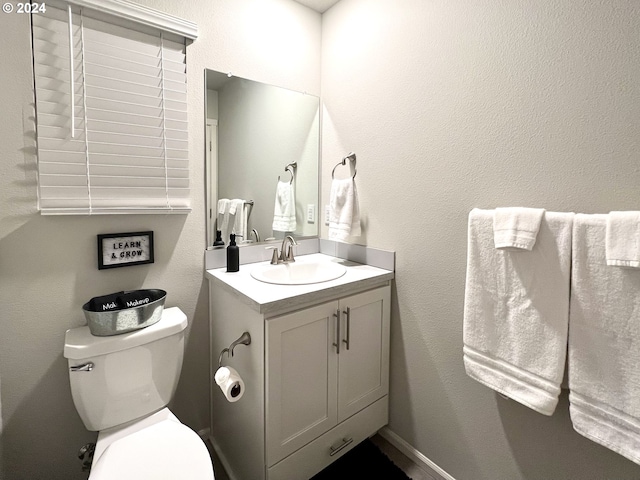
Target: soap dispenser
<point x="233" y="255"/>
<point x="218" y="242"/>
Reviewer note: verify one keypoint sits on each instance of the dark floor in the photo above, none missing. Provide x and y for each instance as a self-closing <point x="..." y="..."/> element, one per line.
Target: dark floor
<point x="411" y="469"/>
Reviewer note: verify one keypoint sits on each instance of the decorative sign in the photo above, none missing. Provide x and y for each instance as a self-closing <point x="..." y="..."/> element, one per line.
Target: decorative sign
<point x="124" y="249"/>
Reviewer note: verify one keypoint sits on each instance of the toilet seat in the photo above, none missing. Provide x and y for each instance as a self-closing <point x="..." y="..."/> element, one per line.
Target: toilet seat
<point x="158" y="450"/>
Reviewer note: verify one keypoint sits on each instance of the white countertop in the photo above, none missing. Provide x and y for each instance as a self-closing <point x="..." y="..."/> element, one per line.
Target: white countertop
<point x="267" y="298"/>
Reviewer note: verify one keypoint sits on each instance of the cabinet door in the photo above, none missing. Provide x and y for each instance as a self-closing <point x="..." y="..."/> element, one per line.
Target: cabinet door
<point x="363" y="368"/>
<point x="301" y="378"/>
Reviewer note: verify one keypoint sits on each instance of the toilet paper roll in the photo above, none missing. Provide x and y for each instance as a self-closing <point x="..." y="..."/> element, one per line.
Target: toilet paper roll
<point x="230" y="383"/>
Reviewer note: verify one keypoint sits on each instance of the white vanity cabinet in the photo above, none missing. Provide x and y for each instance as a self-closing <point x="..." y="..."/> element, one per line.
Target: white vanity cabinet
<point x="316" y="373"/>
<point x="324" y="364"/>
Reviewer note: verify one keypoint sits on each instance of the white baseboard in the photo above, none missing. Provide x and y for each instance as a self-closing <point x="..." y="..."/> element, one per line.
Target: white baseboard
<point x="412" y="453"/>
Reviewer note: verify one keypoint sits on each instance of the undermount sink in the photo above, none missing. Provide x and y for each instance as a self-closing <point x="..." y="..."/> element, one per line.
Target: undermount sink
<point x="298" y="273"/>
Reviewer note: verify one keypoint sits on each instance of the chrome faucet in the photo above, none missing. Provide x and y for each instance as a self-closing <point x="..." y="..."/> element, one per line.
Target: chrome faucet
<point x="257" y="235"/>
<point x="285" y="255"/>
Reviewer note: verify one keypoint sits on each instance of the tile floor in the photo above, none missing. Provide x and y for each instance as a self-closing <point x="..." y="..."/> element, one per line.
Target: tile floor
<point x="411" y="469"/>
<point x="414" y="471"/>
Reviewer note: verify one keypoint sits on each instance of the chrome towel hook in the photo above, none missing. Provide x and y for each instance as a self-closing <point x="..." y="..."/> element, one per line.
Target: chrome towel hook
<point x="352" y="158"/>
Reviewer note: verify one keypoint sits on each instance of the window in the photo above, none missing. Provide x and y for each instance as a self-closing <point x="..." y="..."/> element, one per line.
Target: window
<point x="111" y="105"/>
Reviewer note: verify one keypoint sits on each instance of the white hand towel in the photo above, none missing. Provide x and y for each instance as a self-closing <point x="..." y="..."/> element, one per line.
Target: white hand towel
<point x="604" y="343"/>
<point x="623" y="239"/>
<point x="344" y="213"/>
<point x="516" y="227"/>
<point x="224" y="205"/>
<point x="284" y="211"/>
<point x="516" y="311"/>
<point x="239" y="212"/>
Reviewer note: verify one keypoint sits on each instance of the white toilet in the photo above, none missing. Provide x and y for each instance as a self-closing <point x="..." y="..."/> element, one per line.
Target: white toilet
<point x="121" y="386"/>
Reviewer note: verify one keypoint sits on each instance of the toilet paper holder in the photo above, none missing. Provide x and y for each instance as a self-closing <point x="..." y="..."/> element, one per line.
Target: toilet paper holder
<point x="244" y="339"/>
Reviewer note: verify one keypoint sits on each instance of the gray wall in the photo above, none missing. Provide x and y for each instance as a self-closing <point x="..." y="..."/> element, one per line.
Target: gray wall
<point x="455" y="104"/>
<point x="48" y="264"/>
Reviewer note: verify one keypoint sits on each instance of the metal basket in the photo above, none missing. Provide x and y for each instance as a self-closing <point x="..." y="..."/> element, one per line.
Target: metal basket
<point x="115" y="322"/>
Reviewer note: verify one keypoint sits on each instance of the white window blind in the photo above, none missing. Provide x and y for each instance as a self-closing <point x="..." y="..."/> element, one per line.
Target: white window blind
<point x="111" y="117"/>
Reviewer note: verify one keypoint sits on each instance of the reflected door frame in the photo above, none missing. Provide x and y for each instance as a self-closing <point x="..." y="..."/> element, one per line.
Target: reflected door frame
<point x="211" y="150"/>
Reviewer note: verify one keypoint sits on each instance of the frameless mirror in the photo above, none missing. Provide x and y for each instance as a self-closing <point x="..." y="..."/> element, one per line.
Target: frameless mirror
<point x="262" y="148"/>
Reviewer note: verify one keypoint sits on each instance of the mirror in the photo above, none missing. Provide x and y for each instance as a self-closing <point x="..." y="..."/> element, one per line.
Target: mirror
<point x="254" y="132"/>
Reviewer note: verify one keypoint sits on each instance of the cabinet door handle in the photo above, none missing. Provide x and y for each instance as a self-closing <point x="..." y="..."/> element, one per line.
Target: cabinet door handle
<point x="337" y="342"/>
<point x="347" y="312"/>
<point x="335" y="449"/>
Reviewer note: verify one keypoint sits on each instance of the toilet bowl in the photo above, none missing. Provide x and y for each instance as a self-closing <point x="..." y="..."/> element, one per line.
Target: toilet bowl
<point x="121" y="386"/>
<point x="174" y="451"/>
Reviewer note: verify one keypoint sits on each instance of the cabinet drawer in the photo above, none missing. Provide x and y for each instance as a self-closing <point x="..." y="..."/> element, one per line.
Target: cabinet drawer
<point x="316" y="455"/>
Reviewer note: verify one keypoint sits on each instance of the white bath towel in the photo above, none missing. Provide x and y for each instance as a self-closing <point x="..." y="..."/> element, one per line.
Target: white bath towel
<point x="344" y="210"/>
<point x="604" y="343"/>
<point x="516" y="227"/>
<point x="516" y="311"/>
<point x="284" y="211"/>
<point x="623" y="239"/>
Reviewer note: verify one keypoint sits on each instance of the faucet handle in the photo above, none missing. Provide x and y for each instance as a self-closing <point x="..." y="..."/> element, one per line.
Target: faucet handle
<point x="290" y="257"/>
<point x="275" y="258"/>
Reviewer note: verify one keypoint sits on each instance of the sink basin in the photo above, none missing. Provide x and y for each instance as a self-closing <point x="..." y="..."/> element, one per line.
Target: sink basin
<point x="298" y="273"/>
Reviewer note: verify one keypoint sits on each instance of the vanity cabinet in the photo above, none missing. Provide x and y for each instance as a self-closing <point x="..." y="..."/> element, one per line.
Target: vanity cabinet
<point x="323" y="365"/>
<point x="316" y="382"/>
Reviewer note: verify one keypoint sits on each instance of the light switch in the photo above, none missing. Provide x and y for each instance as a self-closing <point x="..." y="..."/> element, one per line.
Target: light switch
<point x="311" y="213"/>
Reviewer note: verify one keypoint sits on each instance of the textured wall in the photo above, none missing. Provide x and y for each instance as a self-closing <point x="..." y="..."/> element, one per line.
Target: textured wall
<point x="48" y="264"/>
<point x="455" y="104"/>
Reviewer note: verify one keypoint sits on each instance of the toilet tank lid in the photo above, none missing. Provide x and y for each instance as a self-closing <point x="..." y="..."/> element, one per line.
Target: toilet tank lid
<point x="80" y="343"/>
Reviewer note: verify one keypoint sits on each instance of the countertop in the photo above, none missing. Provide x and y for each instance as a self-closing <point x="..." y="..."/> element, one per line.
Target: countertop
<point x="268" y="298"/>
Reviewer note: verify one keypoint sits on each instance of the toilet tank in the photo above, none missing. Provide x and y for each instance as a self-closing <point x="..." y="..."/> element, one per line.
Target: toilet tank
<point x="124" y="377"/>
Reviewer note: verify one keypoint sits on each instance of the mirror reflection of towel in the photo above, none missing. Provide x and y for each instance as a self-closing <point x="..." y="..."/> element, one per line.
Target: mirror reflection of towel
<point x="223" y="218"/>
<point x="344" y="213"/>
<point x="232" y="218"/>
<point x="240" y="209"/>
<point x="284" y="211"/>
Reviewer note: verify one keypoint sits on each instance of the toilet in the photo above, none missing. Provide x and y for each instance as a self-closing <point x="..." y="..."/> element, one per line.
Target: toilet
<point x="121" y="386"/>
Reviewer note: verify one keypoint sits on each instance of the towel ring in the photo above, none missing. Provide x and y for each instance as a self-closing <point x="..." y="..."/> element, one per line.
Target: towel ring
<point x="352" y="158"/>
<point x="290" y="168"/>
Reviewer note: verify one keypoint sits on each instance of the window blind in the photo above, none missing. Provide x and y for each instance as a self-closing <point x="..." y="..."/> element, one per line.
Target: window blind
<point x="111" y="107"/>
